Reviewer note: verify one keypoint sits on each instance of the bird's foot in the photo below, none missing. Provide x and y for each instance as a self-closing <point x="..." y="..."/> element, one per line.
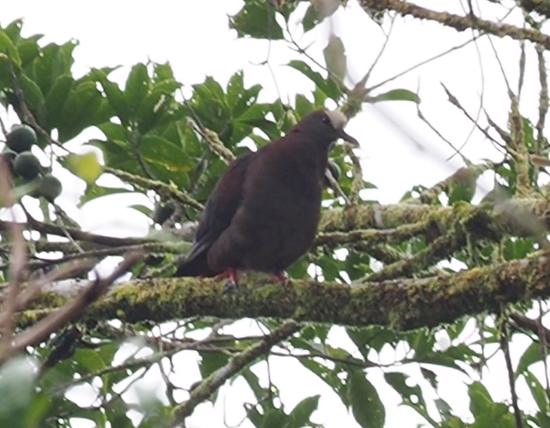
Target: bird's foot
<point x="230" y="274"/>
<point x="279" y="276"/>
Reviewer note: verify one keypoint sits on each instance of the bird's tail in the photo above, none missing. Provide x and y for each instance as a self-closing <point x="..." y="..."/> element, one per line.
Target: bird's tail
<point x="195" y="266"/>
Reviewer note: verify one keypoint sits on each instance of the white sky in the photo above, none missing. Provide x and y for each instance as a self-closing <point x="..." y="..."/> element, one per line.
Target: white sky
<point x="195" y="39"/>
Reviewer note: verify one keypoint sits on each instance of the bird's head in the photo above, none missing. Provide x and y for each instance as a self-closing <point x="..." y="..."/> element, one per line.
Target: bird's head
<point x="325" y="127"/>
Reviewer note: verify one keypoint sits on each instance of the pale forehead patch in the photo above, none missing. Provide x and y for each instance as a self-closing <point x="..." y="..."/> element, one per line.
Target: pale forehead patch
<point x="337" y="118"/>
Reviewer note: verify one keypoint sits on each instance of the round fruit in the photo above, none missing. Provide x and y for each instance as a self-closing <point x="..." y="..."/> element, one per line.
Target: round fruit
<point x="34" y="192"/>
<point x="26" y="165"/>
<point x="21" y="138"/>
<point x="162" y="212"/>
<point x="49" y="187"/>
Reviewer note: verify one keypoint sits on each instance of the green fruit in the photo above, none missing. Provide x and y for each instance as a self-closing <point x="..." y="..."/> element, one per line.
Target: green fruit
<point x="21" y="138"/>
<point x="26" y="165"/>
<point x="162" y="212"/>
<point x="34" y="192"/>
<point x="49" y="187"/>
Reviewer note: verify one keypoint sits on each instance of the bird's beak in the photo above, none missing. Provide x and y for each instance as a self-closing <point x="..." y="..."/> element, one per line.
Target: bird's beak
<point x="344" y="136"/>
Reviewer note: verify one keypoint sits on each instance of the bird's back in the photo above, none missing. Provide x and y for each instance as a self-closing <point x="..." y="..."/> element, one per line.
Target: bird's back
<point x="279" y="214"/>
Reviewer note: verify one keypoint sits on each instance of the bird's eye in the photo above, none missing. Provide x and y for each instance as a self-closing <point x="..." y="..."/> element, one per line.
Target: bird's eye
<point x="325" y="120"/>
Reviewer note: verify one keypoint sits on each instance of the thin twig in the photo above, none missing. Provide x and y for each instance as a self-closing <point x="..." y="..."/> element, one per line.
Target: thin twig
<point x="236" y="364"/>
<point x="17" y="259"/>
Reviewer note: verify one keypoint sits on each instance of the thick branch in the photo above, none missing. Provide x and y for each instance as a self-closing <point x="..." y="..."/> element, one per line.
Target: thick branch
<point x="459" y="23"/>
<point x="402" y="304"/>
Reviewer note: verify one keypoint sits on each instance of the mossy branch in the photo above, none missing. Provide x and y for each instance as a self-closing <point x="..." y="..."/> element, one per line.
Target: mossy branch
<point x="402" y="304"/>
<point x="164" y="190"/>
<point x="459" y="23"/>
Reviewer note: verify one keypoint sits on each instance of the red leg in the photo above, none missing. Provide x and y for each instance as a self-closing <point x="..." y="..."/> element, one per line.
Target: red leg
<point x="280" y="276"/>
<point x="229" y="273"/>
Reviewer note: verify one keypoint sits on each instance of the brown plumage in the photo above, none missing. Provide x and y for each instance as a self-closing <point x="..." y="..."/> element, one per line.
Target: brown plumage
<point x="264" y="212"/>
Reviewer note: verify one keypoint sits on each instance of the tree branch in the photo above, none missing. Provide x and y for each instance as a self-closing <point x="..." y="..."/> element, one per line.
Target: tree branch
<point x="209" y="385"/>
<point x="402" y="304"/>
<point x="459" y="23"/>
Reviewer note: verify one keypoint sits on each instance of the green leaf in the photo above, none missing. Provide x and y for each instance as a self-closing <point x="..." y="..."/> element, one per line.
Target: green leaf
<point x="79" y="111"/>
<point x="32" y="93"/>
<point x="85" y="166"/>
<point x="93" y="191"/>
<point x="28" y="49"/>
<point x="531" y="355"/>
<point x="540" y="397"/>
<point x="275" y="418"/>
<point x="366" y="406"/>
<point x="142" y="209"/>
<point x="155" y="104"/>
<point x="17" y="379"/>
<point x="335" y="57"/>
<point x="317" y="12"/>
<point x="409" y="394"/>
<point x="7" y="47"/>
<point x="115" y="96"/>
<point x="167" y="160"/>
<point x="137" y="86"/>
<point x="328" y="86"/>
<point x="56" y="97"/>
<point x="163" y="72"/>
<point x="13" y="29"/>
<point x="88" y="361"/>
<point x="397" y="95"/>
<point x="302" y="412"/>
<point x="257" y="20"/>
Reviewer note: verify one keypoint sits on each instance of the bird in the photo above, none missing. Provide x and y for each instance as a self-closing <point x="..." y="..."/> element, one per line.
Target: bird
<point x="264" y="212"/>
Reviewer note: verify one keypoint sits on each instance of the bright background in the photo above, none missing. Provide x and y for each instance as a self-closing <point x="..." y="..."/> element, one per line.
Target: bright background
<point x="194" y="37"/>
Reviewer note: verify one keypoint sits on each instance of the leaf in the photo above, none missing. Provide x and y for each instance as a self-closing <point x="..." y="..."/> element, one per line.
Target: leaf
<point x="28" y="49"/>
<point x="137" y="86"/>
<point x="8" y="48"/>
<point x="257" y="20"/>
<point x="168" y="160"/>
<point x="93" y="191"/>
<point x="397" y="95"/>
<point x="89" y="360"/>
<point x="302" y="412"/>
<point x="32" y="93"/>
<point x="56" y="97"/>
<point x="275" y="418"/>
<point x="17" y="379"/>
<point x="335" y="57"/>
<point x="85" y="166"/>
<point x="366" y="406"/>
<point x="531" y="355"/>
<point x="163" y="72"/>
<point x="155" y="104"/>
<point x="540" y="397"/>
<point x="328" y="86"/>
<point x="78" y="111"/>
<point x="409" y="394"/>
<point x="142" y="209"/>
<point x="115" y="96"/>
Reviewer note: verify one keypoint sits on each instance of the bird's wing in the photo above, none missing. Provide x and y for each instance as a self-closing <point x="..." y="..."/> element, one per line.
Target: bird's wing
<point x="220" y="208"/>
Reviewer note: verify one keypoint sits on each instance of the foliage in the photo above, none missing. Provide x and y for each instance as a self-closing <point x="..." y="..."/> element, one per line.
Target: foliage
<point x="175" y="148"/>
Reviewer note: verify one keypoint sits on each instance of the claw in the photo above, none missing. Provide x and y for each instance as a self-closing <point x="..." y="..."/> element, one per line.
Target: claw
<point x="232" y="283"/>
<point x="279" y="276"/>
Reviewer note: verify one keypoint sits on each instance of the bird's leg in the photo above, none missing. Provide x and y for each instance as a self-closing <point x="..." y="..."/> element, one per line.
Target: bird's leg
<point x="232" y="275"/>
<point x="280" y="276"/>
